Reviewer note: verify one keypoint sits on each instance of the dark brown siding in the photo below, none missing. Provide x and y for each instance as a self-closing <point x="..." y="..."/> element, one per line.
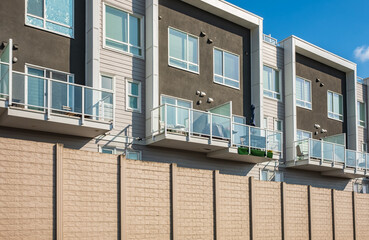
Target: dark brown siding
<point x="41" y="47"/>
<point x="225" y="35"/>
<point x="333" y="80"/>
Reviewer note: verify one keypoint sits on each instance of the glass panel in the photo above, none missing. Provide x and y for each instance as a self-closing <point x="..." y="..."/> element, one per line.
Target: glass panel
<point x="257" y="137"/>
<point x="60" y="11"/>
<point x="35" y="7"/>
<point x="360" y="160"/>
<point x="59" y="93"/>
<point x="218" y="79"/>
<point x="267" y="74"/>
<point x="4" y="79"/>
<point x="192" y="50"/>
<point x="168" y="100"/>
<point x="328" y="151"/>
<point x="116" y="24"/>
<point x="35" y="21"/>
<point x="224" y="110"/>
<point x="231" y="66"/>
<point x="315" y="148"/>
<point x="218" y="64"/>
<point x="133" y="102"/>
<point x="119" y="46"/>
<point x="336" y="103"/>
<point x="276" y="81"/>
<point x="193" y="68"/>
<point x="135" y="51"/>
<point x="133" y="88"/>
<point x="350" y="158"/>
<point x="18" y="92"/>
<point x="299" y="88"/>
<point x="133" y="155"/>
<point x="134" y="31"/>
<point x="307" y="91"/>
<point x="107" y="105"/>
<point x="36" y="88"/>
<point x="339" y="153"/>
<point x="106" y="83"/>
<point x="240" y="135"/>
<point x="178" y="63"/>
<point x="274" y="141"/>
<point x="177" y="44"/>
<point x="107" y="150"/>
<point x="264" y="175"/>
<point x="200" y="123"/>
<point x="221" y="126"/>
<point x="238" y="119"/>
<point x="58" y="28"/>
<point x="183" y="103"/>
<point x="231" y="83"/>
<point x="330" y="102"/>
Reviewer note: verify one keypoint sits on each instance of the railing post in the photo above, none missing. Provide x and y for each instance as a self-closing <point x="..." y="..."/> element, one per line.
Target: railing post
<point x="83" y="106"/>
<point x="165" y="119"/>
<point x="48" y="94"/>
<point x="10" y="90"/>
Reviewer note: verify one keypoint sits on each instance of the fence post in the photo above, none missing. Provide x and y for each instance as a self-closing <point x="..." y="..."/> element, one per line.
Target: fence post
<point x="59" y="190"/>
<point x="310" y="212"/>
<point x="283" y="202"/>
<point x="217" y="204"/>
<point x="252" y="207"/>
<point x="354" y="212"/>
<point x="174" y="200"/>
<point x="123" y="198"/>
<point x="334" y="214"/>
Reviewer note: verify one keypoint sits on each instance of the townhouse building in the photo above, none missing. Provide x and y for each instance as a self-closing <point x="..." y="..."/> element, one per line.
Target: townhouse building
<point x="195" y="82"/>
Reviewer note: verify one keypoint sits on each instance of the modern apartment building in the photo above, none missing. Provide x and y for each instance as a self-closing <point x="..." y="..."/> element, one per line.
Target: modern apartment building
<point x="195" y="82"/>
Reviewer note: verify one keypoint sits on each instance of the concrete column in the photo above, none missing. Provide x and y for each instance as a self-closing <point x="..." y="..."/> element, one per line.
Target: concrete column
<point x="59" y="190"/>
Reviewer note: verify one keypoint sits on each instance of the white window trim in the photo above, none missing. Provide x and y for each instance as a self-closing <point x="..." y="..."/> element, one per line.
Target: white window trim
<point x="358" y="117"/>
<point x="139" y="100"/>
<point x="275" y="120"/>
<point x="187" y="62"/>
<point x="280" y="85"/>
<point x="142" y="21"/>
<point x="268" y="170"/>
<point x="311" y="95"/>
<point x="223" y="77"/>
<point x="45" y="20"/>
<point x="177" y="98"/>
<point x="337" y="114"/>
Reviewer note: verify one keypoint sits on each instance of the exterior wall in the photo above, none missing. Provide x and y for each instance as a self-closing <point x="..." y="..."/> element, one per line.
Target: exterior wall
<point x="104" y="196"/>
<point x="334" y="80"/>
<point x="362" y="96"/>
<point x="38" y="46"/>
<point x="225" y="35"/>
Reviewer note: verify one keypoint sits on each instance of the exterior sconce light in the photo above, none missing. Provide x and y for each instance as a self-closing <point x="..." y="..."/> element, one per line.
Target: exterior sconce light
<point x="199" y="102"/>
<point x="198" y="92"/>
<point x="15" y="59"/>
<point x="202" y="94"/>
<point x="317" y="80"/>
<point x="202" y="34"/>
<point x="317" y="126"/>
<point x="316" y="133"/>
<point x="210" y="41"/>
<point x="321" y="84"/>
<point x="210" y="100"/>
<point x="324" y="131"/>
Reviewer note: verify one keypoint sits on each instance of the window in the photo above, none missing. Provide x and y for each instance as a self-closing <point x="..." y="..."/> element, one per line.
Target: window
<point x="134" y="96"/>
<point x="226" y="68"/>
<point x="301" y="135"/>
<point x="51" y="15"/>
<point x="107" y="96"/>
<point x="303" y="93"/>
<point x="123" y="31"/>
<point x="177" y="111"/>
<point x="364" y="147"/>
<point x="183" y="51"/>
<point x="278" y="125"/>
<point x="272" y="87"/>
<point x="265" y="123"/>
<point x="360" y="188"/>
<point x="335" y="106"/>
<point x="130" y="153"/>
<point x="270" y="175"/>
<point x="361" y="114"/>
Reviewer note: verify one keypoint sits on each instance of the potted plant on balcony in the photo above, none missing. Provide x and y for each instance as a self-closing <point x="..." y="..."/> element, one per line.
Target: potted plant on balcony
<point x="269" y="154"/>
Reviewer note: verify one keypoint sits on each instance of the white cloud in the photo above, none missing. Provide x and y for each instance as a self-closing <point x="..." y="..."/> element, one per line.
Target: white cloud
<point x="362" y="53"/>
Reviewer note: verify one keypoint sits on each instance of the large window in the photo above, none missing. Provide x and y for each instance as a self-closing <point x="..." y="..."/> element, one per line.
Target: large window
<point x="272" y="83"/>
<point x="183" y="50"/>
<point x="133" y="95"/>
<point x="335" y="106"/>
<point x="123" y="31"/>
<point x="107" y="97"/>
<point x="303" y="93"/>
<point x="52" y="15"/>
<point x="361" y="114"/>
<point x="226" y="68"/>
<point x="177" y="111"/>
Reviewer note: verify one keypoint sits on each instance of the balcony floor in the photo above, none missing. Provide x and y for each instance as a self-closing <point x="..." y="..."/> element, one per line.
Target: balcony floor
<point x="61" y="124"/>
<point x="232" y="154"/>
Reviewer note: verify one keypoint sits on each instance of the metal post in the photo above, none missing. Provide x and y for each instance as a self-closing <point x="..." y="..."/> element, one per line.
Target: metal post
<point x="10" y="90"/>
<point x="48" y="94"/>
<point x="83" y="106"/>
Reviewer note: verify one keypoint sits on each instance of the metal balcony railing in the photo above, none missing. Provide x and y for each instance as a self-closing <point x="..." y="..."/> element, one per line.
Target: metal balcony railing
<point x="169" y="119"/>
<point x="331" y="152"/>
<point x="270" y="39"/>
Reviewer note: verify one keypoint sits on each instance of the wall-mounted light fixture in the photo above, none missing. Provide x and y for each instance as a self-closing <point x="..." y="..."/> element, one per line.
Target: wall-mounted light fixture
<point x="202" y="94"/>
<point x="15" y="46"/>
<point x="317" y="80"/>
<point x="210" y="100"/>
<point x="321" y="84"/>
<point x="324" y="131"/>
<point x="15" y="59"/>
<point x="317" y="126"/>
<point x="202" y="34"/>
<point x="198" y="92"/>
<point x="3" y="45"/>
<point x="316" y="133"/>
<point x="210" y="41"/>
<point x="199" y="102"/>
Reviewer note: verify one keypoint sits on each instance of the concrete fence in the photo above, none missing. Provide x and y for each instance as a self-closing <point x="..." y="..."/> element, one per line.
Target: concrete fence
<point x="50" y="192"/>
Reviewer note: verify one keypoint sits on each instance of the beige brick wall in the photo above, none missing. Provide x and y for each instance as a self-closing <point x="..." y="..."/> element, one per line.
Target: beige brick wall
<point x="234" y="207"/>
<point x="148" y="200"/>
<point x="344" y="215"/>
<point x="297" y="212"/>
<point x="321" y="210"/>
<point x="195" y="204"/>
<point x="90" y="196"/>
<point x="26" y="190"/>
<point x="268" y="211"/>
<point x="362" y="217"/>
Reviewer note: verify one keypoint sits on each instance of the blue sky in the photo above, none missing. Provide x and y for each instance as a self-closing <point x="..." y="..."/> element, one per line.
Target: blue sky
<point x="339" y="26"/>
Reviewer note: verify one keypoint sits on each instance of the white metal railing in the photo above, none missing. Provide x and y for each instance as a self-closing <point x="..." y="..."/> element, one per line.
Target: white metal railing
<point x="330" y="152"/>
<point x="52" y="96"/>
<point x="169" y="118"/>
<point x="270" y="39"/>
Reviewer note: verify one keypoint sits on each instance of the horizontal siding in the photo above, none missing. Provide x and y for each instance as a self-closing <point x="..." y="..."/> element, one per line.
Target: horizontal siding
<point x="273" y="55"/>
<point x="361" y="92"/>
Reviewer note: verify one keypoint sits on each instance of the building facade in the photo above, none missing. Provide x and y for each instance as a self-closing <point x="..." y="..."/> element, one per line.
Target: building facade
<point x="191" y="82"/>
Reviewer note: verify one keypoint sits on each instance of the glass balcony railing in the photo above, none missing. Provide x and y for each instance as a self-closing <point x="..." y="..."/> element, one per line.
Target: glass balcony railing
<point x="4" y="80"/>
<point x="52" y="96"/>
<point x="330" y="152"/>
<point x="190" y="122"/>
<point x="269" y="39"/>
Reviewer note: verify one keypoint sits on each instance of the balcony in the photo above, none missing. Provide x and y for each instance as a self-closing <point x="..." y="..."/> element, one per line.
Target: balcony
<point x="44" y="104"/>
<point x="217" y="135"/>
<point x="269" y="39"/>
<point x="331" y="159"/>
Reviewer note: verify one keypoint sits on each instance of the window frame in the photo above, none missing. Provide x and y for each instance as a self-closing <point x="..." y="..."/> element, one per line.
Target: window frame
<point x="280" y="84"/>
<point x="311" y="94"/>
<point x="139" y="100"/>
<point x="275" y="120"/>
<point x="142" y="32"/>
<point x="335" y="114"/>
<point x="359" y="121"/>
<point x="51" y="21"/>
<point x="268" y="171"/>
<point x="223" y="68"/>
<point x="187" y="62"/>
<point x="125" y="151"/>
